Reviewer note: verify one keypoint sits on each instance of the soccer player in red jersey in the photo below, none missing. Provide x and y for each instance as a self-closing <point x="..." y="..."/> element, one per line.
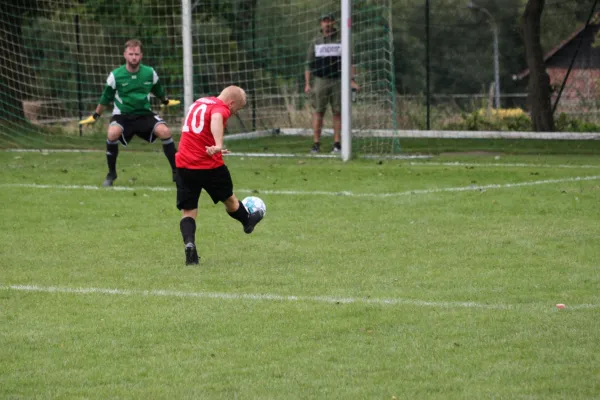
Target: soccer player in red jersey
<point x="200" y="165"/>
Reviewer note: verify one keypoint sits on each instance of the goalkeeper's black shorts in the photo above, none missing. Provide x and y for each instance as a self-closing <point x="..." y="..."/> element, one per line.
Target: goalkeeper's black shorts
<point x="190" y="182"/>
<point x="137" y="125"/>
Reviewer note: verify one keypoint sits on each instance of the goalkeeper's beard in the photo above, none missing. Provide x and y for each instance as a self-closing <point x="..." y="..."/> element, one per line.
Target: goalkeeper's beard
<point x="133" y="67"/>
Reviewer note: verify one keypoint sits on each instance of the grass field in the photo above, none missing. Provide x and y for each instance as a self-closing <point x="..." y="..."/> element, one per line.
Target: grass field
<point x="373" y="279"/>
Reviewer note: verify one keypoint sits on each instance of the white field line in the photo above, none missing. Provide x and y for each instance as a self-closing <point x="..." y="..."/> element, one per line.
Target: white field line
<point x="250" y="297"/>
<point x="399" y="157"/>
<point x="290" y="155"/>
<point x="232" y="154"/>
<point x="282" y="298"/>
<point x="54" y="150"/>
<point x="500" y="165"/>
<point x="317" y="193"/>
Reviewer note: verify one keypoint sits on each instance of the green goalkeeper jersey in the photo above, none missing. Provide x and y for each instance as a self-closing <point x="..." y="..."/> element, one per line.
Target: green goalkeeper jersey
<point x="130" y="91"/>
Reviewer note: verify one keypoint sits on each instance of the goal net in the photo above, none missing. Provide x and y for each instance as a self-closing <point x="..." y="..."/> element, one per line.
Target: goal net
<point x="56" y="56"/>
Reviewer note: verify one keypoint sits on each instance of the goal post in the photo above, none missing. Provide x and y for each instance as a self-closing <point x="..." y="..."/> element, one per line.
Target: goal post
<point x="346" y="27"/>
<point x="188" y="60"/>
<point x="57" y="56"/>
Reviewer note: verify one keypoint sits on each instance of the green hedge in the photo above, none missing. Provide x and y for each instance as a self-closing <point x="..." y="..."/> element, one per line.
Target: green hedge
<point x="514" y="120"/>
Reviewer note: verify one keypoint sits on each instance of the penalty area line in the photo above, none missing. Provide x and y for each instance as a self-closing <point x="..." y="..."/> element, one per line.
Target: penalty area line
<point x="502" y="165"/>
<point x="286" y="298"/>
<point x="480" y="188"/>
<point x="252" y="297"/>
<point x="235" y="154"/>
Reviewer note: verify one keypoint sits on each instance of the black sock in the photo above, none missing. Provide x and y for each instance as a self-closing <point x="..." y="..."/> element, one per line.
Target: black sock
<point x="241" y="214"/>
<point x="187" y="226"/>
<point x="112" y="151"/>
<point x="169" y="149"/>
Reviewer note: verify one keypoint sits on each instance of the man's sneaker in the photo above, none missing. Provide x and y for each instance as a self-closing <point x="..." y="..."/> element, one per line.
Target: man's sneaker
<point x="316" y="147"/>
<point x="253" y="219"/>
<point x="110" y="178"/>
<point x="191" y="255"/>
<point x="337" y="148"/>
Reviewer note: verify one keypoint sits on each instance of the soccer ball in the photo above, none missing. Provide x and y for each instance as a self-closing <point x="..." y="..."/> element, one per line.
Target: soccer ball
<point x="254" y="204"/>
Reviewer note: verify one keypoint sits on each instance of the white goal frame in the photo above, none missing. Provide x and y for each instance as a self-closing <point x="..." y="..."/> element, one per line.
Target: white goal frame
<point x="346" y="7"/>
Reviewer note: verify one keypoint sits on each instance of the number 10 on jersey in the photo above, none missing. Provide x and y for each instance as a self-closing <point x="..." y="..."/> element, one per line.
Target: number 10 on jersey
<point x="197" y="123"/>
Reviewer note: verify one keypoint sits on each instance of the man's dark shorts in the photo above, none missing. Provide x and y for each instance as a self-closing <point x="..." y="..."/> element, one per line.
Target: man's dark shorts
<point x="137" y="125"/>
<point x="190" y="182"/>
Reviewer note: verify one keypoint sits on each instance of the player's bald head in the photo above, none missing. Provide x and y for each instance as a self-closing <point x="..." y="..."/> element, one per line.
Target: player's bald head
<point x="234" y="97"/>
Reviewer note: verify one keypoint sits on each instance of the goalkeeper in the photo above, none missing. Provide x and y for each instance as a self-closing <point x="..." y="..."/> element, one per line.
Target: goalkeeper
<point x="128" y="88"/>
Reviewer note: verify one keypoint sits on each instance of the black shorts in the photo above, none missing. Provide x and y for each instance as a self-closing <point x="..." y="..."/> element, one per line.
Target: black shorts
<point x="190" y="182"/>
<point x="138" y="125"/>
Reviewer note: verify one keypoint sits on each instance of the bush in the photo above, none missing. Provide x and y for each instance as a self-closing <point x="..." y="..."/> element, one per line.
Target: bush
<point x="564" y="123"/>
<point x="514" y="119"/>
<point x="511" y="119"/>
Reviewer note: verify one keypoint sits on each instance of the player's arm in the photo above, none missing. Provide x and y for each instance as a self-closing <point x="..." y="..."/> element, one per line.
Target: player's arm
<point x="307" y="81"/>
<point x="310" y="57"/>
<point x="353" y="83"/>
<point x="217" y="128"/>
<point x="159" y="91"/>
<point x="108" y="95"/>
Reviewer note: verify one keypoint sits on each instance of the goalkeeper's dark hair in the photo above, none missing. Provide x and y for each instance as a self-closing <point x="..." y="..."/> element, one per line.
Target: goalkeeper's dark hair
<point x="133" y="43"/>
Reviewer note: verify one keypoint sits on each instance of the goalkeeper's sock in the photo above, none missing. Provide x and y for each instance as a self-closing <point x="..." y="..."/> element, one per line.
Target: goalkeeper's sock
<point x="241" y="214"/>
<point x="187" y="226"/>
<point x="112" y="152"/>
<point x="169" y="150"/>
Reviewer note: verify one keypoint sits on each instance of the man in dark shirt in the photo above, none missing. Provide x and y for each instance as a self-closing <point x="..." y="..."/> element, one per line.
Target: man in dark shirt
<point x="324" y="66"/>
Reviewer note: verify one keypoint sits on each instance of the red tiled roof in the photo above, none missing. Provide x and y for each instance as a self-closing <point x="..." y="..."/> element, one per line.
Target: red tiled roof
<point x="595" y="21"/>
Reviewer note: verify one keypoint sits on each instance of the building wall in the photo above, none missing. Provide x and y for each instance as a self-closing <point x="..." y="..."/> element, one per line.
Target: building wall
<point x="582" y="88"/>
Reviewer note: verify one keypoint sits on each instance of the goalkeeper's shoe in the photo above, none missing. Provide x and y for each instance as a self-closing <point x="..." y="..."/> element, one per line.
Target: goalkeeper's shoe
<point x="110" y="178"/>
<point x="253" y="219"/>
<point x="191" y="255"/>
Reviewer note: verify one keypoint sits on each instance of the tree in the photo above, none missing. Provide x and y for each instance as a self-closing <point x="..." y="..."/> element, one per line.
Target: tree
<point x="539" y="81"/>
<point x="16" y="73"/>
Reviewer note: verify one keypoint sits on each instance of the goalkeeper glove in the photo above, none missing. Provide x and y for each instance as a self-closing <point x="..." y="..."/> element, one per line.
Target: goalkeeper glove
<point x="169" y="103"/>
<point x="90" y="120"/>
